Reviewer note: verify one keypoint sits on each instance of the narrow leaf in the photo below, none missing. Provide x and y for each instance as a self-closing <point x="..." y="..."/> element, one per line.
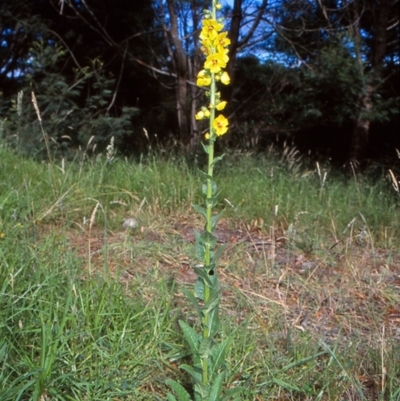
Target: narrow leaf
<point x="180" y="392"/>
<point x="195" y="372"/>
<point x="218" y="354"/>
<point x="203" y="274"/>
<point x="201" y="392"/>
<point x="232" y="392"/>
<point x="191" y="336"/>
<point x="213" y="322"/>
<point x="205" y="147"/>
<point x="285" y="385"/>
<point x="199" y="290"/>
<point x="216" y="389"/>
<point x="205" y="175"/>
<point x="200" y="209"/>
<point x="215" y="219"/>
<point x="217" y="254"/>
<point x="212" y="302"/>
<point x="200" y="249"/>
<point x="193" y="300"/>
<point x="217" y="159"/>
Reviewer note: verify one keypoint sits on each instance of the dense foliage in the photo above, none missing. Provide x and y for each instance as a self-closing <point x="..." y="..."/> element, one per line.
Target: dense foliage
<point x="322" y="74"/>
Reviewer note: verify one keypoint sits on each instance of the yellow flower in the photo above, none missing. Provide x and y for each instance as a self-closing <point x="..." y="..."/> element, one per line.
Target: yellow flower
<point x="203" y="79"/>
<point x="220" y="125"/>
<point x="215" y="62"/>
<point x="225" y="79"/>
<point x="210" y="29"/>
<point x="206" y="46"/>
<point x="220" y="106"/>
<point x="207" y="135"/>
<point x="203" y="113"/>
<point x="199" y="115"/>
<point x="222" y="41"/>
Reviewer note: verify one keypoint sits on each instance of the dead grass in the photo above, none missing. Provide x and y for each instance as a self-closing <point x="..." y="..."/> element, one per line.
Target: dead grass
<point x="344" y="293"/>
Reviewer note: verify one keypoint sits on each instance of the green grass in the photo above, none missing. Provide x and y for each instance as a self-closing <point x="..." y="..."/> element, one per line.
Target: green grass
<point x="89" y="311"/>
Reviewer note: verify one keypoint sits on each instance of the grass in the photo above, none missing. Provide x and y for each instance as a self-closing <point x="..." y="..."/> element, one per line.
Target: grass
<point x="89" y="311"/>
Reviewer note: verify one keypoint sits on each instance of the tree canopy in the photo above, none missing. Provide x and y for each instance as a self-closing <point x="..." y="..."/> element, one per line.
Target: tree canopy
<point x="321" y="73"/>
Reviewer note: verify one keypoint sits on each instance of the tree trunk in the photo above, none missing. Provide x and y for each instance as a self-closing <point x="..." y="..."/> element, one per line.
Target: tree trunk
<point x="181" y="79"/>
<point x="234" y="32"/>
<point x="360" y="135"/>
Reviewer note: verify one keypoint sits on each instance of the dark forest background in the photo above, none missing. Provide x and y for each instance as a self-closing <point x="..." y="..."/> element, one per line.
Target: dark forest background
<point x="322" y="75"/>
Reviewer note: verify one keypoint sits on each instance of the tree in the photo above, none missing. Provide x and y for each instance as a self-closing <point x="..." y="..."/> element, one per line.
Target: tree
<point x="365" y="34"/>
<point x="382" y="16"/>
<point x="98" y="41"/>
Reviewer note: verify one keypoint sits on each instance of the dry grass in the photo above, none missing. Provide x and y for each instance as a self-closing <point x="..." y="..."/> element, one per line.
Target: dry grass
<point x="345" y="294"/>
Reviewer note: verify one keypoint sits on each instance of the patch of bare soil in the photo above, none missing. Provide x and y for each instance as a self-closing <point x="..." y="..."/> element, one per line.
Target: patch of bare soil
<point x="335" y="290"/>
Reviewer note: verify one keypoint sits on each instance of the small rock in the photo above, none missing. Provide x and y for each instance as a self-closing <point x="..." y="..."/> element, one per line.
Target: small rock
<point x="130" y="223"/>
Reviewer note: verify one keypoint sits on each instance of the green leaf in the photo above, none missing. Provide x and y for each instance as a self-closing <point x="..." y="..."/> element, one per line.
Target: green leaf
<point x="201" y="272"/>
<point x="231" y="392"/>
<point x="193" y="300"/>
<point x="200" y="209"/>
<point x="195" y="372"/>
<point x="217" y="159"/>
<point x="170" y="397"/>
<point x="199" y="289"/>
<point x="201" y="392"/>
<point x="181" y="393"/>
<point x="204" y="187"/>
<point x="3" y="351"/>
<point x="215" y="219"/>
<point x="217" y="254"/>
<point x="285" y="385"/>
<point x="210" y="269"/>
<point x="213" y="321"/>
<point x="205" y="147"/>
<point x="216" y="388"/>
<point x="218" y="354"/>
<point x="209" y="239"/>
<point x="205" y="175"/>
<point x="200" y="249"/>
<point x="205" y="347"/>
<point x="212" y="302"/>
<point x="212" y="202"/>
<point x="191" y="336"/>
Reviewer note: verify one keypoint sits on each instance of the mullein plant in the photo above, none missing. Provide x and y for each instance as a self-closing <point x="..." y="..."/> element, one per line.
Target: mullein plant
<point x="208" y="369"/>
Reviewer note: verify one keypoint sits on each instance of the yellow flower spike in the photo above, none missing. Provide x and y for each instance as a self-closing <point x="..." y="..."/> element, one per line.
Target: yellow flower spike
<point x="215" y="62"/>
<point x="210" y="29"/>
<point x="225" y="79"/>
<point x="221" y="106"/>
<point x="220" y="125"/>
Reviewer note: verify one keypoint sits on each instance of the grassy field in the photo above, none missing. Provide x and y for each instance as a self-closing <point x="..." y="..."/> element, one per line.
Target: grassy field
<point x="88" y="310"/>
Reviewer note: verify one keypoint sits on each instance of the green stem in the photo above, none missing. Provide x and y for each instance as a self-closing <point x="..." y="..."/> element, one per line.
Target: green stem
<point x="209" y="195"/>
